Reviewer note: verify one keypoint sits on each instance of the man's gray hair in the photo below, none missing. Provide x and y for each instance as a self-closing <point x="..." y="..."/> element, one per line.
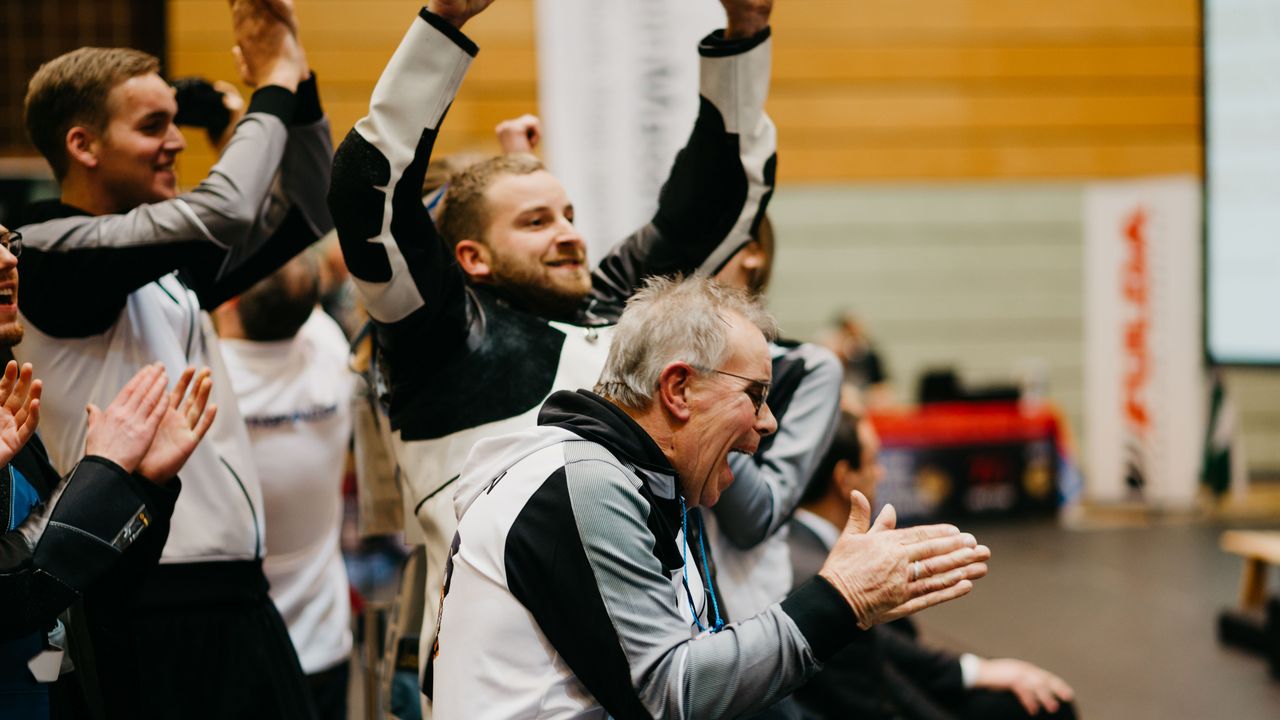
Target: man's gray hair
<point x="674" y="319"/>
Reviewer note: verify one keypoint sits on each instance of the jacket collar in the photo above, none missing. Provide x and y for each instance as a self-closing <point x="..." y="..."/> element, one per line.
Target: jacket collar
<point x="594" y="418"/>
<point x="46" y="210"/>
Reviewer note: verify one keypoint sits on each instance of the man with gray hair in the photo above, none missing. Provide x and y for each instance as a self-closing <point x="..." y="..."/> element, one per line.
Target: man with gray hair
<point x="579" y="583"/>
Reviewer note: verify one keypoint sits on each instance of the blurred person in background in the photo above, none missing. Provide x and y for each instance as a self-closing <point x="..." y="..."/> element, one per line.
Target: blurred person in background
<point x="864" y="369"/>
<point x="887" y="673"/>
<point x="577" y="586"/>
<point x="287" y="361"/>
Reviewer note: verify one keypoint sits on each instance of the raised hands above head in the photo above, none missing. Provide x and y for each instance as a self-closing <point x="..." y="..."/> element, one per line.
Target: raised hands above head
<point x="267" y="50"/>
<point x="19" y="409"/>
<point x="746" y="17"/>
<point x="458" y="12"/>
<point x="885" y="573"/>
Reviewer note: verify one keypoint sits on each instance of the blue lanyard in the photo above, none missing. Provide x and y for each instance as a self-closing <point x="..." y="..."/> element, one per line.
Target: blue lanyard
<point x="706" y="569"/>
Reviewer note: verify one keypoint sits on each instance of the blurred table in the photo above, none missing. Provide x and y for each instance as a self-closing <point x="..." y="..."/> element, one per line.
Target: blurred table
<point x="950" y="461"/>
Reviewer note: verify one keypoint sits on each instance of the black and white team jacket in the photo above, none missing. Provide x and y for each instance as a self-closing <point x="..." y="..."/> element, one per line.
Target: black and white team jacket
<point x="103" y="296"/>
<point x="565" y="595"/>
<point x="78" y="529"/>
<point x="465" y="363"/>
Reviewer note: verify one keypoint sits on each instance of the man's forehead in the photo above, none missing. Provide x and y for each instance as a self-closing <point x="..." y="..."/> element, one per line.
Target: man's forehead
<point x="142" y="95"/>
<point x="748" y="347"/>
<point x="520" y="192"/>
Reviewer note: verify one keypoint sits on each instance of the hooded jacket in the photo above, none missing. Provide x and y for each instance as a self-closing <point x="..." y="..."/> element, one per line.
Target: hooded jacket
<point x="570" y="591"/>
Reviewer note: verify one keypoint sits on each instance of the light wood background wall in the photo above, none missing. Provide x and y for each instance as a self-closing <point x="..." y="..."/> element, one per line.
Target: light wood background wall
<point x="982" y="275"/>
<point x="862" y="89"/>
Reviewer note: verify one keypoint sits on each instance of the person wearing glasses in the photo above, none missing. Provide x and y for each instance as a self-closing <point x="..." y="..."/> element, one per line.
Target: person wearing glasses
<point x="580" y="582"/>
<point x="481" y="314"/>
<point x="120" y="272"/>
<point x="93" y="531"/>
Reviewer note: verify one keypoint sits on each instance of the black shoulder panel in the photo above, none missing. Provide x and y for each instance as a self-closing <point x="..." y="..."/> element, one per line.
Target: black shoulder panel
<point x="510" y="369"/>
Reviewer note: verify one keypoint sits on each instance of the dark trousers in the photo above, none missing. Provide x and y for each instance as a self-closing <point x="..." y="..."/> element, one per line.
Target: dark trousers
<point x="329" y="691"/>
<point x="199" y="640"/>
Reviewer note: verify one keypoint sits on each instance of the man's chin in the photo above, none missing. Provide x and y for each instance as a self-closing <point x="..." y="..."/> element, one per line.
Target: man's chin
<point x="10" y="334"/>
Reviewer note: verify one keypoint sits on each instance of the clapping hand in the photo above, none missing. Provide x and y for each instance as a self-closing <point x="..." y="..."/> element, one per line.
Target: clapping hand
<point x="148" y="430"/>
<point x="885" y="573"/>
<point x="19" y="409"/>
<point x="187" y="417"/>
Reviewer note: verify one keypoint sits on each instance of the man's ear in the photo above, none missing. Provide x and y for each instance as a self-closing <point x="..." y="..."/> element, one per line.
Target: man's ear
<point x="474" y="258"/>
<point x="82" y="146"/>
<point x="673" y="389"/>
<point x="843" y="479"/>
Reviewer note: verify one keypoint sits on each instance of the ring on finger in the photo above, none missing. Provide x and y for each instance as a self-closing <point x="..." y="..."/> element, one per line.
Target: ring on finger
<point x="915" y="571"/>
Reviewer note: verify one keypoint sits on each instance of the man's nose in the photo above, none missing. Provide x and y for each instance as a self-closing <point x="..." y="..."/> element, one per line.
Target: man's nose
<point x="174" y="140"/>
<point x="766" y="423"/>
<point x="569" y="239"/>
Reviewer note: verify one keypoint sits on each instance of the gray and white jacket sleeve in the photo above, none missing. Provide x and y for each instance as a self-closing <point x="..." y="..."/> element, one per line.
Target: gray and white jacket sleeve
<point x="260" y="204"/>
<point x="603" y="589"/>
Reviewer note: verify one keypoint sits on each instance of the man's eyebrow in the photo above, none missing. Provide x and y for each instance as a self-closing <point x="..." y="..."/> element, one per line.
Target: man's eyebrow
<point x="156" y="115"/>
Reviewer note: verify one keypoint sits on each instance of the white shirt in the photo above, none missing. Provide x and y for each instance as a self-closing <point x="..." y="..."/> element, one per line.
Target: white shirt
<point x="294" y="395"/>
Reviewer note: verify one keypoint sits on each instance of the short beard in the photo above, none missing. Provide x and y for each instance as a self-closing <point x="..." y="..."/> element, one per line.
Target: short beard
<point x="531" y="291"/>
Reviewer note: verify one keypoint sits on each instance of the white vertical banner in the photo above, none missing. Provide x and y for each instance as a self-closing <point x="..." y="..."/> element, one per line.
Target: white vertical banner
<point x="1143" y="370"/>
<point x="618" y="94"/>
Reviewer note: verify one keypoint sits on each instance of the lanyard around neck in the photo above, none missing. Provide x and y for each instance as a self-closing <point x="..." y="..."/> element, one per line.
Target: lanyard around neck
<point x="706" y="568"/>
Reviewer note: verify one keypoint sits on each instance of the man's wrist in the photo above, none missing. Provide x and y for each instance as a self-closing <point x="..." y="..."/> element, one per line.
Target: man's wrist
<point x="746" y="22"/>
<point x="744" y="29"/>
<point x="281" y="75"/>
<point x="455" y="19"/>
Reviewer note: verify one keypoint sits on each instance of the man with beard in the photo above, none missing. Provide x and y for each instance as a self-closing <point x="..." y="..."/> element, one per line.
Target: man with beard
<point x="579" y="583"/>
<point x="479" y="319"/>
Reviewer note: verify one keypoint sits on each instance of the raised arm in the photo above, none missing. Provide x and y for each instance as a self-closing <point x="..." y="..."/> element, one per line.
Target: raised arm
<point x="107" y="257"/>
<point x="721" y="181"/>
<point x="404" y="272"/>
<point x="768" y="485"/>
<point x="296" y="213"/>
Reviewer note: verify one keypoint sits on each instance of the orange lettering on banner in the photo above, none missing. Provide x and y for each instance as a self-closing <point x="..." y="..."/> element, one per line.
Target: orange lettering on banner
<point x="1136" y="331"/>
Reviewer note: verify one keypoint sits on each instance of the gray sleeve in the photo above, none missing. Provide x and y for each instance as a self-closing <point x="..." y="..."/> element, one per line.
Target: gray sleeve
<point x="301" y="185"/>
<point x="226" y="209"/>
<point x="767" y="487"/>
<point x="745" y="667"/>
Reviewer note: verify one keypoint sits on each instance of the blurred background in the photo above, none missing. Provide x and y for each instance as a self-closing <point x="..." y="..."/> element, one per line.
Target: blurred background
<point x="951" y="175"/>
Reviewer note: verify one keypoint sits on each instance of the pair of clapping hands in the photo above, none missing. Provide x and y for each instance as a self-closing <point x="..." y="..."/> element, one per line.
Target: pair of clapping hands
<point x="145" y="430"/>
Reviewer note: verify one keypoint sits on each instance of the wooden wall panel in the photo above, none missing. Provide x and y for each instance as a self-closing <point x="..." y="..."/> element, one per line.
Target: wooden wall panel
<point x="348" y="42"/>
<point x="866" y="90"/>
